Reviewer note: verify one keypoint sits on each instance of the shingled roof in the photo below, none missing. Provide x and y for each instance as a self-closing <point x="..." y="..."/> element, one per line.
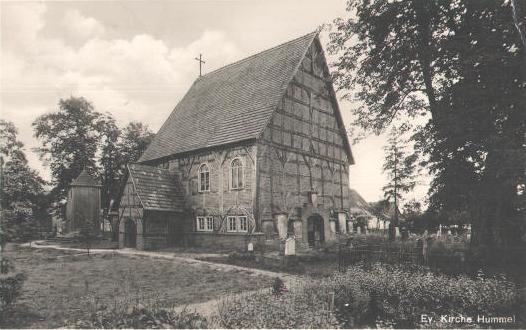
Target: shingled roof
<point x="231" y="104"/>
<point x="85" y="179"/>
<point x="157" y="188"/>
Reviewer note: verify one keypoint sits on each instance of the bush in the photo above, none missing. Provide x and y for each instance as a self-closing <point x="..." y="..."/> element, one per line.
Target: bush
<point x="137" y="316"/>
<point x="10" y="284"/>
<point x="305" y="307"/>
<point x="397" y="297"/>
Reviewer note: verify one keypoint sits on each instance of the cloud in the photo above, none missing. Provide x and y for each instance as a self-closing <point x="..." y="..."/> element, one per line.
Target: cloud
<point x="21" y="23"/>
<point x="80" y="27"/>
<point x="136" y="78"/>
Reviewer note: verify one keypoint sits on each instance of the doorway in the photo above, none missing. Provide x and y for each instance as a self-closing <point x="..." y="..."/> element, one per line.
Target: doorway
<point x="315" y="230"/>
<point x="130" y="233"/>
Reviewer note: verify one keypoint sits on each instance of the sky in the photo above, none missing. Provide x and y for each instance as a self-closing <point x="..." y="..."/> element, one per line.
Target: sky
<point x="135" y="59"/>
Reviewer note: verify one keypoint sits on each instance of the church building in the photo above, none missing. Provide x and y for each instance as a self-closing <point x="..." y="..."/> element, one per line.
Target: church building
<point x="255" y="152"/>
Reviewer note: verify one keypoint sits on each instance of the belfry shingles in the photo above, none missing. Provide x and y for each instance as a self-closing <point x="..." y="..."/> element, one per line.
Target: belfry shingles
<point x="231" y="104"/>
<point x="157" y="188"/>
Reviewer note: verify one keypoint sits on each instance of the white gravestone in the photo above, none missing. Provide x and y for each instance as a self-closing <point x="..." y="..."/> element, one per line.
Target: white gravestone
<point x="342" y="219"/>
<point x="333" y="226"/>
<point x="282" y="225"/>
<point x="290" y="247"/>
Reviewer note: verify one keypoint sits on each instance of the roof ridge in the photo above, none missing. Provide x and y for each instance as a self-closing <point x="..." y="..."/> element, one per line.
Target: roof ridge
<point x="258" y="53"/>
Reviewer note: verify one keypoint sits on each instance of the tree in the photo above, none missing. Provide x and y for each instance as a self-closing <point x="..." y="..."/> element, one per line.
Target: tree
<point x="459" y="66"/>
<point x="22" y="193"/>
<point x="70" y="137"/>
<point x="119" y="147"/>
<point x="111" y="167"/>
<point x="20" y="183"/>
<point x="400" y="169"/>
<point x="134" y="140"/>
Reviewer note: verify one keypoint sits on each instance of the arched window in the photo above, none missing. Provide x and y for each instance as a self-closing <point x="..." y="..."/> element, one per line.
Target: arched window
<point x="204" y="178"/>
<point x="236" y="181"/>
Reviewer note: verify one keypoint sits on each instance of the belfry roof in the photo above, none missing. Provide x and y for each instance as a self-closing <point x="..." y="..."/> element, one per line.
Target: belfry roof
<point x="85" y="179"/>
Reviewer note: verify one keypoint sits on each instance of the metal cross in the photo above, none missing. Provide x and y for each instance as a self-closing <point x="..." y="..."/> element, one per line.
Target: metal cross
<point x="200" y="63"/>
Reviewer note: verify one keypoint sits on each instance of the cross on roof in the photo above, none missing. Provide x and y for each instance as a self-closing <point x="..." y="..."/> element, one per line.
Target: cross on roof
<point x="200" y="63"/>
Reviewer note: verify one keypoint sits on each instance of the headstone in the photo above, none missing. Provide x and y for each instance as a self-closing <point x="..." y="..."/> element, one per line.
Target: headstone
<point x="290" y="247"/>
<point x="342" y="220"/>
<point x="282" y="220"/>
<point x="359" y="230"/>
<point x="297" y="228"/>
<point x="397" y="231"/>
<point x="333" y="226"/>
<point x="250" y="247"/>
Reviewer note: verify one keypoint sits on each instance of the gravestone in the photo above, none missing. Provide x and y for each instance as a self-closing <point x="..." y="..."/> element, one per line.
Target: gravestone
<point x="342" y="220"/>
<point x="282" y="224"/>
<point x="290" y="246"/>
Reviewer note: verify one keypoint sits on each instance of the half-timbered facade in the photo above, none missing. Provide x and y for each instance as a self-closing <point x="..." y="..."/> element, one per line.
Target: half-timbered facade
<point x="257" y="152"/>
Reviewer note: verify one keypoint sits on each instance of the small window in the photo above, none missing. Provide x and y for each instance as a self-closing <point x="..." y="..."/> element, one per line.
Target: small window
<point x="236" y="174"/>
<point x="205" y="224"/>
<point x="200" y="224"/>
<point x="210" y="224"/>
<point x="243" y="224"/>
<point x="204" y="178"/>
<point x="232" y="224"/>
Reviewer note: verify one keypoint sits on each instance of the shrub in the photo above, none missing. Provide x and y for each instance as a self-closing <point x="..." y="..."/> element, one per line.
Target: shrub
<point x="10" y="284"/>
<point x="278" y="286"/>
<point x="138" y="316"/>
<point x="305" y="307"/>
<point x="397" y="297"/>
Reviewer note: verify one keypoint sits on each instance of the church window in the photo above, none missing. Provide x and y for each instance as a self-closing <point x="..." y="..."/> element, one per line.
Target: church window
<point x="205" y="224"/>
<point x="232" y="224"/>
<point x="236" y="181"/>
<point x="243" y="224"/>
<point x="200" y="223"/>
<point x="209" y="223"/>
<point x="237" y="224"/>
<point x="204" y="178"/>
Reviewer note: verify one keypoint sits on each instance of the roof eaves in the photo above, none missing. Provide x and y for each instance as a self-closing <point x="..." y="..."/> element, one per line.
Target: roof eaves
<point x="134" y="187"/>
<point x="338" y="111"/>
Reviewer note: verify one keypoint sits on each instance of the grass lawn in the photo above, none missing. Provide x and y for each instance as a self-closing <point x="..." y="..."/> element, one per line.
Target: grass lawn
<point x="61" y="284"/>
<point x="313" y="267"/>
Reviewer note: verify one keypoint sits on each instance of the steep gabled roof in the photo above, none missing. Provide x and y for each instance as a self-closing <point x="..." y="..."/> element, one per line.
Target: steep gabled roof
<point x="231" y="104"/>
<point x="85" y="179"/>
<point x="357" y="201"/>
<point x="358" y="205"/>
<point x="157" y="188"/>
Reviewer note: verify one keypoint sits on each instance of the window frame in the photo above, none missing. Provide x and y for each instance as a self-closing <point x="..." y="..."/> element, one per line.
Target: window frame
<point x="240" y="174"/>
<point x="200" y="173"/>
<point x="204" y="227"/>
<point x="209" y="224"/>
<point x="228" y="224"/>
<point x="237" y="220"/>
<point x="240" y="227"/>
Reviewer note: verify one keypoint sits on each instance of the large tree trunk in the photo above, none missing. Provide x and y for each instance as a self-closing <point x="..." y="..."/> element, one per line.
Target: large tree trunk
<point x="497" y="223"/>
